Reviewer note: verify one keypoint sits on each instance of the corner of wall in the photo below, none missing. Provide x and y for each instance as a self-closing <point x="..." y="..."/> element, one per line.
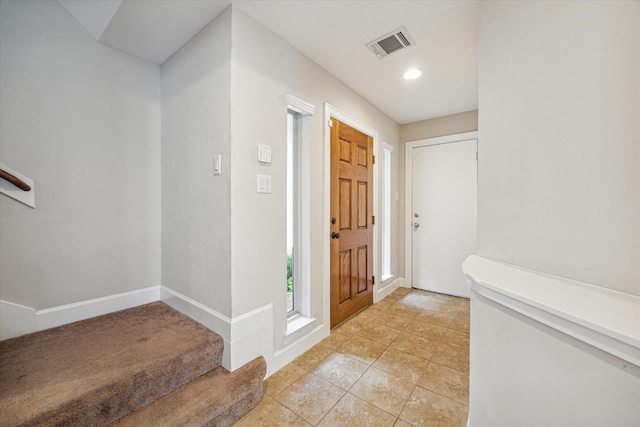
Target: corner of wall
<point x="16" y="320"/>
<point x="383" y="290"/>
<point x="245" y="337"/>
<point x="466" y="121"/>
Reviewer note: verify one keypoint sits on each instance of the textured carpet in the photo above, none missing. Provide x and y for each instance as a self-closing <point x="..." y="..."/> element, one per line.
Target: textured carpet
<point x="218" y="398"/>
<point x="93" y="372"/>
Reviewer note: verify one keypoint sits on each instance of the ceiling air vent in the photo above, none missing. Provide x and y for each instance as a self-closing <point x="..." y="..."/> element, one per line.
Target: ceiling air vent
<point x="391" y="43"/>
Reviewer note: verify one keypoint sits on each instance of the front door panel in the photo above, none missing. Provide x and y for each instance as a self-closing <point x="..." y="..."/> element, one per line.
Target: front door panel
<point x="352" y="233"/>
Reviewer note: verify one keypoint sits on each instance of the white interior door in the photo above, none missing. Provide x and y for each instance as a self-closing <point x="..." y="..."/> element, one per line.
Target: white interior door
<point x="444" y="201"/>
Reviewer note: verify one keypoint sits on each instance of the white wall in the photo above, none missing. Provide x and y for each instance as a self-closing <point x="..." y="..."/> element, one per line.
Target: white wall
<point x="440" y="126"/>
<point x="91" y="126"/>
<point x="264" y="70"/>
<point x="558" y="192"/>
<point x="223" y="245"/>
<point x="83" y="121"/>
<point x="559" y="125"/>
<point x="196" y="205"/>
<point x="533" y="375"/>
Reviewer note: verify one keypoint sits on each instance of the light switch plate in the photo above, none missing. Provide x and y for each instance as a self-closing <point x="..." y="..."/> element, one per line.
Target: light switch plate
<point x="264" y="184"/>
<point x="217" y="164"/>
<point x="264" y="153"/>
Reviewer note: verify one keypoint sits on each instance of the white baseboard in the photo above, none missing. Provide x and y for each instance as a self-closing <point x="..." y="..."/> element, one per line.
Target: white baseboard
<point x="217" y="322"/>
<point x="16" y="320"/>
<point x="246" y="336"/>
<point x="68" y="313"/>
<point x="287" y="354"/>
<point x="251" y="336"/>
<point x="385" y="290"/>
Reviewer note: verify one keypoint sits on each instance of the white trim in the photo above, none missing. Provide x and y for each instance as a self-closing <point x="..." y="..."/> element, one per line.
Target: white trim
<point x="16" y="320"/>
<point x="217" y="322"/>
<point x="604" y="318"/>
<point x="408" y="199"/>
<point x="19" y="320"/>
<point x="199" y="312"/>
<point x="245" y="336"/>
<point x="302" y="213"/>
<point x="296" y="323"/>
<point x="446" y="139"/>
<point x="26" y="197"/>
<point x="287" y="354"/>
<point x="387" y="289"/>
<point x="68" y="313"/>
<point x="332" y="112"/>
<point x="299" y="106"/>
<point x="383" y="210"/>
<point x="251" y="336"/>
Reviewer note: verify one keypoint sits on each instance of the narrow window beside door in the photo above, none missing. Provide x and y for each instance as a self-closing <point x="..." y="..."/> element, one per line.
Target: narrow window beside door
<point x="298" y="213"/>
<point x="293" y="126"/>
<point x="386" y="211"/>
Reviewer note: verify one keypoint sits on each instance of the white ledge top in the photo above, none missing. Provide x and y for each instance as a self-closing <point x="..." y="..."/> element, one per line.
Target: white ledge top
<point x="604" y="318"/>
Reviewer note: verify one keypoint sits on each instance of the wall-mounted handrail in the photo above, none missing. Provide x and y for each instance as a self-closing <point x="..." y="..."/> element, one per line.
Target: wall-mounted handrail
<point x="14" y="180"/>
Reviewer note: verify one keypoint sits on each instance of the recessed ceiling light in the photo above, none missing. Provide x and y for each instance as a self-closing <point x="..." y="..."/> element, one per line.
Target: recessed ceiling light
<point x="412" y="74"/>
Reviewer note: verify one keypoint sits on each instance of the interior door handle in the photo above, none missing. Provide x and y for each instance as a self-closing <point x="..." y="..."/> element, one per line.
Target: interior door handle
<point x="416" y="225"/>
<point x="335" y="235"/>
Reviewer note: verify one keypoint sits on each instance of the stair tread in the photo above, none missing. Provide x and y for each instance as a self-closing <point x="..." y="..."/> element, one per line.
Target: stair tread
<point x="103" y="368"/>
<point x="217" y="398"/>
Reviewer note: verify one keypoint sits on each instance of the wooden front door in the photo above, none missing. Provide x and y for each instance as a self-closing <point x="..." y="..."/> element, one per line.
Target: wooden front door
<point x="351" y="221"/>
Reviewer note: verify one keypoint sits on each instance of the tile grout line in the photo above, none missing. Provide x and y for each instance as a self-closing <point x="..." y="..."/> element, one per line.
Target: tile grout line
<point x="410" y="319"/>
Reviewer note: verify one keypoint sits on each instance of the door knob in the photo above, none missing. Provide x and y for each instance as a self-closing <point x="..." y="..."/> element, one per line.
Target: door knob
<point x="416" y="215"/>
<point x="335" y="235"/>
<point x="416" y="225"/>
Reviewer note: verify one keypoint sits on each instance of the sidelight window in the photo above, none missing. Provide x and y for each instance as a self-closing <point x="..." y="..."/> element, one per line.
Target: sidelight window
<point x="386" y="211"/>
<point x="298" y="214"/>
<point x="293" y="209"/>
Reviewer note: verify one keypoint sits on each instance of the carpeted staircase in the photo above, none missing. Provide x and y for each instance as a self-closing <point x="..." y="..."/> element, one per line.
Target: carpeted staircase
<point x="145" y="366"/>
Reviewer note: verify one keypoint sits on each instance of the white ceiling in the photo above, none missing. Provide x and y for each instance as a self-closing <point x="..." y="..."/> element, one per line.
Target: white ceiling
<point x="330" y="32"/>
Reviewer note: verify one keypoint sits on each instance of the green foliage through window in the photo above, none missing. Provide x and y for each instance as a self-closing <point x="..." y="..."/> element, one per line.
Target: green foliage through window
<point x="290" y="273"/>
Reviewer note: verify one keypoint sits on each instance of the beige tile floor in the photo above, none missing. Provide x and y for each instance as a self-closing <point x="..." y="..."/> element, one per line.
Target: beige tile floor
<point x="401" y="362"/>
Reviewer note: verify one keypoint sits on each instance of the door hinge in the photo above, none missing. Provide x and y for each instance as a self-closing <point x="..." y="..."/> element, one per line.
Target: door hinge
<point x="330" y="123"/>
<point x="373" y="280"/>
<point x="373" y="219"/>
<point x="373" y="160"/>
<point x="476" y="155"/>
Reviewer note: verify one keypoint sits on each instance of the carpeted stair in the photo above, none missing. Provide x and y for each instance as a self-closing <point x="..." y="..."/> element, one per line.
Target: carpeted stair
<point x="106" y="369"/>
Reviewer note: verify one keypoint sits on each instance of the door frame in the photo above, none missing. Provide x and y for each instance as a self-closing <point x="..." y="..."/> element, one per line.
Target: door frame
<point x="408" y="180"/>
<point x="329" y="113"/>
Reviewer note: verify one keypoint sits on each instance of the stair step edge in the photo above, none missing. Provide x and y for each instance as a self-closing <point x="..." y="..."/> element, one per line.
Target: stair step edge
<point x="218" y="398"/>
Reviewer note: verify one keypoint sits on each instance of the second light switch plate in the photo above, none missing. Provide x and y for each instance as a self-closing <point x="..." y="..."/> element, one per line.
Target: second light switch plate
<point x="264" y="184"/>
